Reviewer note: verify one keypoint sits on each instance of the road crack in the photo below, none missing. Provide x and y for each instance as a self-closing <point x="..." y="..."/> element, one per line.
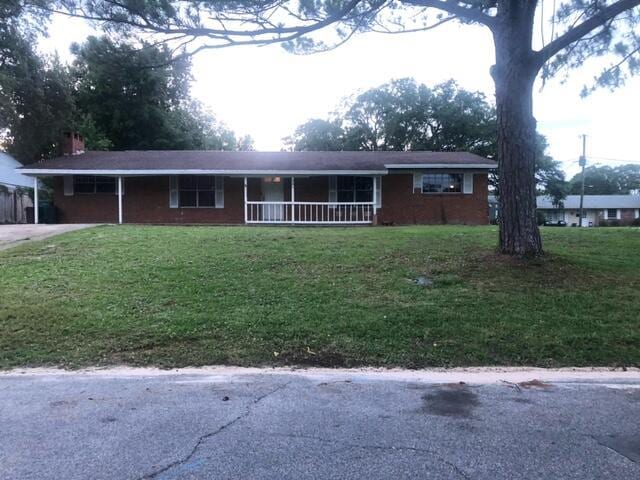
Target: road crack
<point x="206" y="436"/>
<point x="455" y="467"/>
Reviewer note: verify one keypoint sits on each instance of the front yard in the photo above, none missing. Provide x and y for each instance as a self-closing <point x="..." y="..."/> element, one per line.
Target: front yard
<point x="177" y="296"/>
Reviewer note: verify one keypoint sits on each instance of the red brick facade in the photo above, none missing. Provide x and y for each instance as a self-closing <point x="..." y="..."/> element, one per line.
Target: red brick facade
<point x="146" y="200"/>
<point x="402" y="204"/>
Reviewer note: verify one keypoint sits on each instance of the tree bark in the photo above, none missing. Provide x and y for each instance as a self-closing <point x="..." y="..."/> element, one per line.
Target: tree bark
<point x="514" y="74"/>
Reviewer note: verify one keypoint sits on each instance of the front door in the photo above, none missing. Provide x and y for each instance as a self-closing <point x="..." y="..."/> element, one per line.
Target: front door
<point x="273" y="191"/>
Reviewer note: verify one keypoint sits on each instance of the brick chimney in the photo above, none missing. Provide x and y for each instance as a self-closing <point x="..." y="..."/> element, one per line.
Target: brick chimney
<point x="72" y="143"/>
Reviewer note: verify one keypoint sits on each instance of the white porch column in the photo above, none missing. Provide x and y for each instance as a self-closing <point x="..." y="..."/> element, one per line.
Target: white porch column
<point x="35" y="200"/>
<point x="293" y="199"/>
<point x="375" y="199"/>
<point x="120" y="200"/>
<point x="245" y="200"/>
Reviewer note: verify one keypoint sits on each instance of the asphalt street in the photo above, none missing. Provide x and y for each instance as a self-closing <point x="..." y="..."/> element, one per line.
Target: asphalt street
<point x="300" y="425"/>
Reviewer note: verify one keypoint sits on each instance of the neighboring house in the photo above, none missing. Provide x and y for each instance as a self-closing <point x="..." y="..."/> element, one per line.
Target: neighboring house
<point x="14" y="199"/>
<point x="267" y="187"/>
<point x="598" y="209"/>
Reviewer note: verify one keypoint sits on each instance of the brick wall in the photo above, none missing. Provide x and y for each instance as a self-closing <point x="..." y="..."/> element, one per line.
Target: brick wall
<point x="146" y="200"/>
<point x="402" y="205"/>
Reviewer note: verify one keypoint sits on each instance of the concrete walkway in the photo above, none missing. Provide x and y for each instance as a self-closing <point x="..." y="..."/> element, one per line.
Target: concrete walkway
<point x="12" y="235"/>
<point x="310" y="424"/>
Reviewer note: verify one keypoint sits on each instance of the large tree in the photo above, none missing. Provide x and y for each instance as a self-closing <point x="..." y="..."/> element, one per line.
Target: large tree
<point x="405" y="115"/>
<point x="577" y="29"/>
<point x="606" y="180"/>
<point x="140" y="99"/>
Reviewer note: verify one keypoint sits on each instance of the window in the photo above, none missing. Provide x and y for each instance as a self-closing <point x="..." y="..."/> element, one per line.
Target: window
<point x="196" y="191"/>
<point x="91" y="184"/>
<point x="355" y="189"/>
<point x="442" y="183"/>
<point x="612" y="213"/>
<point x="554" y="216"/>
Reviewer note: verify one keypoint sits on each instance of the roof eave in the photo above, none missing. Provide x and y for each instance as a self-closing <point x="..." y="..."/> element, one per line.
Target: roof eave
<point x="154" y="172"/>
<point x="413" y="166"/>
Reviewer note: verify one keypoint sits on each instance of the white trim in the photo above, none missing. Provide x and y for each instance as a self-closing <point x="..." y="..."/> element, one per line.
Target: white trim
<point x="174" y="196"/>
<point x="120" y="200"/>
<point x="245" y="200"/>
<point x="637" y="212"/>
<point x="68" y="185"/>
<point x="414" y="166"/>
<point x="219" y="191"/>
<point x="293" y="199"/>
<point x="159" y="172"/>
<point x="35" y="200"/>
<point x="467" y="183"/>
<point x="378" y="186"/>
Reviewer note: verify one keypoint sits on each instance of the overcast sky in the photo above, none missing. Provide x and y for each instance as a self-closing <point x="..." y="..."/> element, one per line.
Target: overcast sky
<point x="266" y="92"/>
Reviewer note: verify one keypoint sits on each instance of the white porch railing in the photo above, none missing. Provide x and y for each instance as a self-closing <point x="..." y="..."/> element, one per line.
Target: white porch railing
<point x="309" y="212"/>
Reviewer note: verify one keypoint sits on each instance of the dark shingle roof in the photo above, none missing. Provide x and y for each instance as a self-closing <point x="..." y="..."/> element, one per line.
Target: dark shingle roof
<point x="256" y="161"/>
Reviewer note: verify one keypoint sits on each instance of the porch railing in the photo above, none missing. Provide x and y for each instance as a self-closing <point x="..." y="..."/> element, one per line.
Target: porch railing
<point x="309" y="212"/>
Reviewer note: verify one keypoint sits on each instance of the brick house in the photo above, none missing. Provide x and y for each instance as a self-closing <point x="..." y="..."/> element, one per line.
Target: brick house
<point x="213" y="187"/>
<point x="598" y="210"/>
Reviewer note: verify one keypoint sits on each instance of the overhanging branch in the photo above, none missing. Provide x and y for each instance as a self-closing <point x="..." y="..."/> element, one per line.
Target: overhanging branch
<point x="455" y="8"/>
<point x="576" y="33"/>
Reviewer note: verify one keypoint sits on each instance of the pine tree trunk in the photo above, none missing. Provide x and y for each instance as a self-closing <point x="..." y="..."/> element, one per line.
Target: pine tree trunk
<point x="514" y="74"/>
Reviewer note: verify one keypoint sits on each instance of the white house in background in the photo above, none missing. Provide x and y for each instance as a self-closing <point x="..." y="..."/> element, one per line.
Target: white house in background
<point x="13" y="201"/>
<point x="598" y="209"/>
<point x="8" y="175"/>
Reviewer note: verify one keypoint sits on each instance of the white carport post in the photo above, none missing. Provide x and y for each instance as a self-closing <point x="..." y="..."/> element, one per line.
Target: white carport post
<point x="293" y="199"/>
<point x="120" y="200"/>
<point x="245" y="200"/>
<point x="375" y="199"/>
<point x="35" y="200"/>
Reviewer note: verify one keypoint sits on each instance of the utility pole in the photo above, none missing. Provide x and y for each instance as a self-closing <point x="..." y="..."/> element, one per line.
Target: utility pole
<point x="582" y="162"/>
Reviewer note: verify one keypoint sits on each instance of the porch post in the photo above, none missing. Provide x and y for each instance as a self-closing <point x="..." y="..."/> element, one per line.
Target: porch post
<point x="120" y="200"/>
<point x="375" y="200"/>
<point x="245" y="200"/>
<point x="293" y="199"/>
<point x="35" y="200"/>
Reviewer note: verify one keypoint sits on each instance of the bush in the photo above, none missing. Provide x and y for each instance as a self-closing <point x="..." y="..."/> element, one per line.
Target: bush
<point x="636" y="222"/>
<point x="614" y="223"/>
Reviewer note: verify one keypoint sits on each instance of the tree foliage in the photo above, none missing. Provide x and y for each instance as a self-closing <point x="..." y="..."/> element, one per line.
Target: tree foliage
<point x="405" y="115"/>
<point x="606" y="180"/>
<point x="118" y="96"/>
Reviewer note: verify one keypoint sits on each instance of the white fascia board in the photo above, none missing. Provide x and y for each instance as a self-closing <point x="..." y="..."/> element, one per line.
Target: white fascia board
<point x="416" y="166"/>
<point x="240" y="173"/>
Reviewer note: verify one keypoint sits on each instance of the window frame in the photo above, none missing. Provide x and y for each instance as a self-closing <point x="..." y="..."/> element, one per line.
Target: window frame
<point x="460" y="183"/>
<point x="78" y="180"/>
<point x="615" y="216"/>
<point x="354" y="190"/>
<point x="197" y="190"/>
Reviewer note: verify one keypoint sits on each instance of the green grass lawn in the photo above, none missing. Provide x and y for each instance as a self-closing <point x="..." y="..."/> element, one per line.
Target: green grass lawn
<point x="178" y="296"/>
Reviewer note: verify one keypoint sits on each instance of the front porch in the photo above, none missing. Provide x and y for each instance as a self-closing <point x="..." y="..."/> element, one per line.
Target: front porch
<point x="320" y="200"/>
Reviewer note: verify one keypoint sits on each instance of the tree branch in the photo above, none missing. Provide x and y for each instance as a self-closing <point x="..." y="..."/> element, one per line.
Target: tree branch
<point x="576" y="33"/>
<point x="453" y="7"/>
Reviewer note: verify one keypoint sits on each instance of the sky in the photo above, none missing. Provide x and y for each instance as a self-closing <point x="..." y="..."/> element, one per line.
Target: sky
<point x="267" y="92"/>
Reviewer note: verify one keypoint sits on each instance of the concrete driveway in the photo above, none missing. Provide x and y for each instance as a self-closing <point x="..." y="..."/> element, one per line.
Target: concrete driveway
<point x="250" y="424"/>
<point x="12" y="235"/>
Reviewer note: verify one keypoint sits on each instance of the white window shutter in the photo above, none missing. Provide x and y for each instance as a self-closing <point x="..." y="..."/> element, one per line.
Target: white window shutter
<point x="378" y="187"/>
<point x="68" y="185"/>
<point x="333" y="189"/>
<point x="468" y="183"/>
<point x="417" y="181"/>
<point x="219" y="192"/>
<point x="173" y="191"/>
